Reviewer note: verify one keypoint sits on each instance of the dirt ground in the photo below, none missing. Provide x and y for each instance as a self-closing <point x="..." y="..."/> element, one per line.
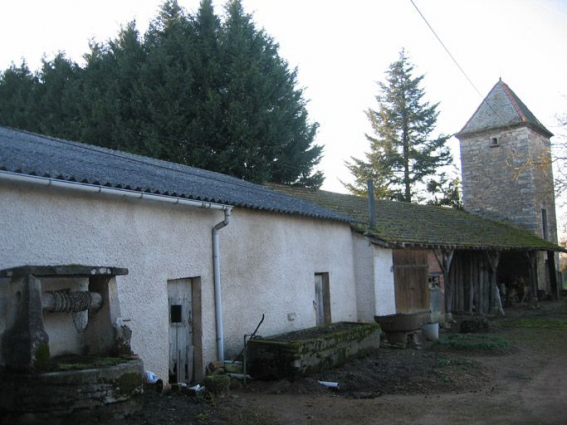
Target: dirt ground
<point x="523" y="384"/>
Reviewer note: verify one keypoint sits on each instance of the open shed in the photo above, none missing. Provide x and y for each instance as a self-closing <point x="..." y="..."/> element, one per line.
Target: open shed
<point x="478" y="259"/>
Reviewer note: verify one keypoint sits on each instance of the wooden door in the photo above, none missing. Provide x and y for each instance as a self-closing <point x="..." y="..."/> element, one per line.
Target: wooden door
<point x="322" y="301"/>
<point x="318" y="302"/>
<point x="180" y="330"/>
<point x="411" y="280"/>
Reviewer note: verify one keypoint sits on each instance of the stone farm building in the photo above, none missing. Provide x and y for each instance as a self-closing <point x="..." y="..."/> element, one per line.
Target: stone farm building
<point x="200" y="256"/>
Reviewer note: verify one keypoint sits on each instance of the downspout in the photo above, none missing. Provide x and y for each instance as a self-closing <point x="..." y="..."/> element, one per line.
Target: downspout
<point x="217" y="281"/>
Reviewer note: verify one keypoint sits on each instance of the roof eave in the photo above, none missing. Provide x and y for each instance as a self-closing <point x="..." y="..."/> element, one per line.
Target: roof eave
<point x="468" y="134"/>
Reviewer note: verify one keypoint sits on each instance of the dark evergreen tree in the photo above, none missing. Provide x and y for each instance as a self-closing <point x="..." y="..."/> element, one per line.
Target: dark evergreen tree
<point x="445" y="191"/>
<point x="18" y="107"/>
<point x="192" y="90"/>
<point x="402" y="152"/>
<point x="56" y="92"/>
<point x="266" y="129"/>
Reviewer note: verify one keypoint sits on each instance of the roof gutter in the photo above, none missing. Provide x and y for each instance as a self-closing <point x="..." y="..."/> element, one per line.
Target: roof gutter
<point x="91" y="188"/>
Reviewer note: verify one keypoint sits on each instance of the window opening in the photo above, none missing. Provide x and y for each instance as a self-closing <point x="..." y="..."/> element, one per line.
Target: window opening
<point x="175" y="313"/>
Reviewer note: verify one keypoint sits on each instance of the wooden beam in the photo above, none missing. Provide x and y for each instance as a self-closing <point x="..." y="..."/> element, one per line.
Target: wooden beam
<point x="493" y="260"/>
<point x="552" y="275"/>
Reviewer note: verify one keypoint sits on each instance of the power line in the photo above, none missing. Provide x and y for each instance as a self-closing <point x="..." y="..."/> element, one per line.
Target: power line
<point x="456" y="63"/>
<point x="447" y="50"/>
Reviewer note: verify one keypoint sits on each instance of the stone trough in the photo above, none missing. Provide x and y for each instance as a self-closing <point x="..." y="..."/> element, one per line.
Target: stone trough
<point x="309" y="351"/>
<point x="104" y="391"/>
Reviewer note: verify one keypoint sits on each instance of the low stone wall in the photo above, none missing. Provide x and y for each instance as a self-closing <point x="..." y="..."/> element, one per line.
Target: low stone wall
<point x="310" y="350"/>
<point x="36" y="396"/>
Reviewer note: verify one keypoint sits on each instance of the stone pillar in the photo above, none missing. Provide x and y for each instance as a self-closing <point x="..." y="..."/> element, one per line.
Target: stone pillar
<point x="100" y="334"/>
<point x="25" y="345"/>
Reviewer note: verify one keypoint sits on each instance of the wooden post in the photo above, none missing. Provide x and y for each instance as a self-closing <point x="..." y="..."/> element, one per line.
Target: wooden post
<point x="552" y="275"/>
<point x="532" y="261"/>
<point x="444" y="258"/>
<point x="493" y="260"/>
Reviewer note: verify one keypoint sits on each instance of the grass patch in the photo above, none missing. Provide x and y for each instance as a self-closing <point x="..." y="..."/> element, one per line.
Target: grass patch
<point x="474" y="342"/>
<point x="535" y="323"/>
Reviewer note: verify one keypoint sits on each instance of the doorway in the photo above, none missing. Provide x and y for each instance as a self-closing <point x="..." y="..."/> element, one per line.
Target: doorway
<point x="181" y="347"/>
<point x="322" y="301"/>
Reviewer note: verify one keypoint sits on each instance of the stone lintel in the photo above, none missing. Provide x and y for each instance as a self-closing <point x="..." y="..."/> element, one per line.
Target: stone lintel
<point x="72" y="270"/>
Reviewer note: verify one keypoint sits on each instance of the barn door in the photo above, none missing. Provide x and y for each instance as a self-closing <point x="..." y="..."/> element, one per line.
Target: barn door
<point x="411" y="280"/>
<point x="180" y="330"/>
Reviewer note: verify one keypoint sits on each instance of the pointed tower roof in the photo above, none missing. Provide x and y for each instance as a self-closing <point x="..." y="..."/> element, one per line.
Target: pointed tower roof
<point x="502" y="108"/>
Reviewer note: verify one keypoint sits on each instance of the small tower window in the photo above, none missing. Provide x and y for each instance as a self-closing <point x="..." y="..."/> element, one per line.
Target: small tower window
<point x="494" y="142"/>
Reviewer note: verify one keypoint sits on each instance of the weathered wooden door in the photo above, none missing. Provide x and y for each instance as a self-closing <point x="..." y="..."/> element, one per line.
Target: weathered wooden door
<point x="319" y="304"/>
<point x="180" y="330"/>
<point x="322" y="301"/>
<point x="411" y="280"/>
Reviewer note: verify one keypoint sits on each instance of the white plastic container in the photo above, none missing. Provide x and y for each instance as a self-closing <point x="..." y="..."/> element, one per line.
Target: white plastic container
<point x="431" y="331"/>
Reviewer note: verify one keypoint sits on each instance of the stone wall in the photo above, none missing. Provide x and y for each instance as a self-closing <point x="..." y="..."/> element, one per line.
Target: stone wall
<point x="507" y="176"/>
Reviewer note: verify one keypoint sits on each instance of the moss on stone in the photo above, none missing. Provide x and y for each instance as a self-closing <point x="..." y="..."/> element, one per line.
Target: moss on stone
<point x="217" y="385"/>
<point x="128" y="384"/>
<point x="42" y="357"/>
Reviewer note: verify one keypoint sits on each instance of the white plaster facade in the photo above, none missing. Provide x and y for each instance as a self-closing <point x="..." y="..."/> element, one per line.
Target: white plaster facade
<point x="268" y="261"/>
<point x="374" y="279"/>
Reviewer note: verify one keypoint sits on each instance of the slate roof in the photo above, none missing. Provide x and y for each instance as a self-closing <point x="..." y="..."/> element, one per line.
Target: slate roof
<point x="502" y="108"/>
<point x="399" y="224"/>
<point x="32" y="154"/>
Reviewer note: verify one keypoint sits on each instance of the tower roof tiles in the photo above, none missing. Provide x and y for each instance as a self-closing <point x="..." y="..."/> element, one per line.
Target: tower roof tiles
<point x="502" y="108"/>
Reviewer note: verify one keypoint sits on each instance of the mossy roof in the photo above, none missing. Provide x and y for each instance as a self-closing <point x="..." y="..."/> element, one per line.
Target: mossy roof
<point x="400" y="224"/>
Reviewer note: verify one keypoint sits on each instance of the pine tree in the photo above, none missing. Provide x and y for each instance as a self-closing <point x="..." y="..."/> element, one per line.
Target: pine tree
<point x="402" y="154"/>
<point x="445" y="191"/>
<point x="193" y="89"/>
<point x="267" y="133"/>
<point x="18" y="107"/>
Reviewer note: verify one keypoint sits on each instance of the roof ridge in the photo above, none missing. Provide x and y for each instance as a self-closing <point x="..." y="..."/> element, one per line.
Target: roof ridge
<point x="502" y="108"/>
<point x="512" y="98"/>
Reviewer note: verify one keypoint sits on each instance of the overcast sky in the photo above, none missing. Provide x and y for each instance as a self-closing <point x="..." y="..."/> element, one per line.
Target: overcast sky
<point x="342" y="48"/>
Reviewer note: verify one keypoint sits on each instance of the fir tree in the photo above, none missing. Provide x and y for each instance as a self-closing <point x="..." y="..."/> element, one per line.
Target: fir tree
<point x="193" y="89"/>
<point x="402" y="152"/>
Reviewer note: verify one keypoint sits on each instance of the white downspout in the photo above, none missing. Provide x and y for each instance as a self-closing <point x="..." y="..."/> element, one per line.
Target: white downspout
<point x="216" y="276"/>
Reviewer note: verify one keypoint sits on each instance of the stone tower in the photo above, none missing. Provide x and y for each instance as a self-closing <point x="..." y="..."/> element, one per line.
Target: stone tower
<point x="506" y="167"/>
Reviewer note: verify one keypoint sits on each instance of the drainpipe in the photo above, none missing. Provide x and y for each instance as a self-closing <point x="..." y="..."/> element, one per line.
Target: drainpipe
<point x="216" y="276"/>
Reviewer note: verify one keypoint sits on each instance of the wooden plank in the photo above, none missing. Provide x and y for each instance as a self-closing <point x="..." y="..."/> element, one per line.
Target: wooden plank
<point x="319" y="302"/>
<point x="411" y="272"/>
<point x="180" y="332"/>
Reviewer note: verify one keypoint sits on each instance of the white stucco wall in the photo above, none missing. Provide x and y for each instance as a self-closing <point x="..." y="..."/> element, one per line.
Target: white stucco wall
<point x="365" y="277"/>
<point x="384" y="277"/>
<point x="374" y="279"/>
<point x="268" y="261"/>
<point x="268" y="266"/>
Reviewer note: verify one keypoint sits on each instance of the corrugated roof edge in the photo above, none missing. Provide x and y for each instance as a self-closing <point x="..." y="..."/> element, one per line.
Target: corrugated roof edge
<point x="320" y="212"/>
